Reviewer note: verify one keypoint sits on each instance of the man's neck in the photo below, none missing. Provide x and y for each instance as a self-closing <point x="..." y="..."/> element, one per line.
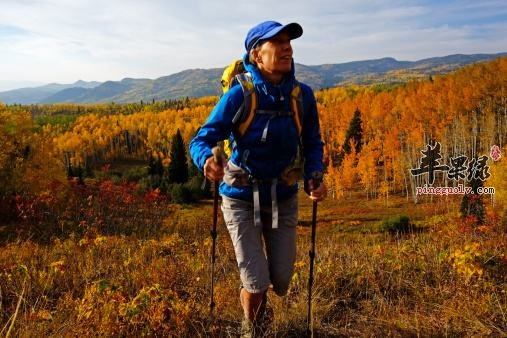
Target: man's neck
<point x="274" y="78"/>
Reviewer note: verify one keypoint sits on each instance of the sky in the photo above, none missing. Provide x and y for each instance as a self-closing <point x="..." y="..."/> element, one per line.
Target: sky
<point x="45" y="41"/>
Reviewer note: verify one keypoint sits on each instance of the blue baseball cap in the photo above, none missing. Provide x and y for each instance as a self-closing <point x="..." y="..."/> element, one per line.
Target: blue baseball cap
<point x="268" y="29"/>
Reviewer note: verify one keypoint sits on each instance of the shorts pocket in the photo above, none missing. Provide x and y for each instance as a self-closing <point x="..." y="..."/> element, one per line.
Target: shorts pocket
<point x="236" y="212"/>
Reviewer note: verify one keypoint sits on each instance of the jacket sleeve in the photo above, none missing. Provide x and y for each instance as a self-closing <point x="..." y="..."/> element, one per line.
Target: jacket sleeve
<point x="313" y="147"/>
<point x="217" y="127"/>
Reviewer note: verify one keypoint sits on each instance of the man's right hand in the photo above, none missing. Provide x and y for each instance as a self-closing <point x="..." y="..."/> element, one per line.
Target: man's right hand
<point x="213" y="170"/>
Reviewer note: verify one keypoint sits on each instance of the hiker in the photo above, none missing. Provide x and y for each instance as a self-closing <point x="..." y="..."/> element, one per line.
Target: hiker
<point x="270" y="138"/>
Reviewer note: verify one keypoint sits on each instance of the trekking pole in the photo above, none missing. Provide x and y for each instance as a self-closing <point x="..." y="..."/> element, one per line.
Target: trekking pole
<point x="309" y="325"/>
<point x="217" y="156"/>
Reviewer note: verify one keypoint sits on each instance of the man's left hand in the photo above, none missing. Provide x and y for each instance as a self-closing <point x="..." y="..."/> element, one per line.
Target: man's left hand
<point x="319" y="193"/>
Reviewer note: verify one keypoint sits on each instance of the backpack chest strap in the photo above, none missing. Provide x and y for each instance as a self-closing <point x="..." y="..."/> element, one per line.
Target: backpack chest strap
<point x="273" y="112"/>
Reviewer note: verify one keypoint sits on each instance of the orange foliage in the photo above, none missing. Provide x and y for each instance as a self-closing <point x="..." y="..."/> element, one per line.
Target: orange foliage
<point x="465" y="111"/>
<point x="141" y="134"/>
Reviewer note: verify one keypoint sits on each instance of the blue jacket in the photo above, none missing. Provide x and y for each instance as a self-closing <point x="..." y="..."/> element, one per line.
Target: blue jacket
<point x="263" y="160"/>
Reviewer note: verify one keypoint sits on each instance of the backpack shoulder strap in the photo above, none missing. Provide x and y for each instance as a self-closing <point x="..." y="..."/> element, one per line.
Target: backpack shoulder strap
<point x="296" y="104"/>
<point x="246" y="112"/>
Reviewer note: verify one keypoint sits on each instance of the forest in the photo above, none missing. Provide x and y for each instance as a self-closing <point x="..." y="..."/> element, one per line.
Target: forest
<point x="104" y="222"/>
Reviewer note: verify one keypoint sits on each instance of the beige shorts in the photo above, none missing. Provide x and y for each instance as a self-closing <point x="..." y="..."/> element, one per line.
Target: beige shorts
<point x="265" y="256"/>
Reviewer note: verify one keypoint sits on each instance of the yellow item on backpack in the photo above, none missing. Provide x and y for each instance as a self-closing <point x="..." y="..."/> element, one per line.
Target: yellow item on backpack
<point x="229" y="73"/>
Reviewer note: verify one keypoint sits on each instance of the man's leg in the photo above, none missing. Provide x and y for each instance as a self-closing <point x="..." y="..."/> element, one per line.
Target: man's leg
<point x="281" y="246"/>
<point x="253" y="304"/>
<point x="249" y="248"/>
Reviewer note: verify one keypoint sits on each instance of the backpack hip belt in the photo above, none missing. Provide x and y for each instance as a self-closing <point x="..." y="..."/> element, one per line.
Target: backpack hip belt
<point x="237" y="177"/>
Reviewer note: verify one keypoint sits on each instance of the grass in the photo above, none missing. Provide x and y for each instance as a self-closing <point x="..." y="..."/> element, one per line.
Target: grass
<point x="448" y="280"/>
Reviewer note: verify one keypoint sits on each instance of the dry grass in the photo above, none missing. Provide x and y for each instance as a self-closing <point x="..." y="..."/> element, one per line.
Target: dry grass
<point x="446" y="279"/>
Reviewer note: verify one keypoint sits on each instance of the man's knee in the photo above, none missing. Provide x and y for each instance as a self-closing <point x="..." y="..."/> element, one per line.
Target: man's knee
<point x="281" y="284"/>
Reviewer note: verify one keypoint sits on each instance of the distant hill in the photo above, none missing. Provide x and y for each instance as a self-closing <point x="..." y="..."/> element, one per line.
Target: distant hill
<point x="202" y="82"/>
<point x="103" y="92"/>
<point x="39" y="94"/>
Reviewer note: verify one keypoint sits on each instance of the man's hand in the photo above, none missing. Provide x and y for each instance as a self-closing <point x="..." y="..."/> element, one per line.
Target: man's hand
<point x="214" y="166"/>
<point x="317" y="193"/>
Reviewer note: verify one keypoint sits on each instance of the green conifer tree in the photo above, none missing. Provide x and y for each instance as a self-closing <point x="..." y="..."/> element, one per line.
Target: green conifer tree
<point x="354" y="132"/>
<point x="178" y="168"/>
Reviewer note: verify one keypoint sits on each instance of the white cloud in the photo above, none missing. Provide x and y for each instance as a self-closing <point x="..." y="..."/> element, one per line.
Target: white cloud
<point x="60" y="40"/>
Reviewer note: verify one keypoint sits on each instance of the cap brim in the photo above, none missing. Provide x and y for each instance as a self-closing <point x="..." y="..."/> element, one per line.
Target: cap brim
<point x="293" y="29"/>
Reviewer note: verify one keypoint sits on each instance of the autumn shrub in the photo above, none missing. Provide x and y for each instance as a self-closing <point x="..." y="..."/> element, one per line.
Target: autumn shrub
<point x="472" y="206"/>
<point x="398" y="224"/>
<point x="200" y="189"/>
<point x="106" y="309"/>
<point x="119" y="208"/>
<point x="181" y="193"/>
<point x="135" y="174"/>
<point x="101" y="206"/>
<point x="29" y="162"/>
<point x="152" y="182"/>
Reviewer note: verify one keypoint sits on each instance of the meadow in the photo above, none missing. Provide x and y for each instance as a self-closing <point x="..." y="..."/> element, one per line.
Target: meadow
<point x="118" y="274"/>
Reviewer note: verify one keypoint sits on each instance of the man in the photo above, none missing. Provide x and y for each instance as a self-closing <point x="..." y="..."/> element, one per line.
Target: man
<point x="259" y="188"/>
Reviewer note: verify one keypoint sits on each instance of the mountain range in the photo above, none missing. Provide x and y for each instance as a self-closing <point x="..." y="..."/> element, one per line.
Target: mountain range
<point x="202" y="82"/>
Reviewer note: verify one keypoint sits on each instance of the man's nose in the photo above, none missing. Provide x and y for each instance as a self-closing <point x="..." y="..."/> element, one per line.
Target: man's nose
<point x="287" y="46"/>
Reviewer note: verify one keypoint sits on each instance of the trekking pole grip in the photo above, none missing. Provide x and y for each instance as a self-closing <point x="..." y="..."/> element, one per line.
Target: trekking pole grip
<point x="218" y="154"/>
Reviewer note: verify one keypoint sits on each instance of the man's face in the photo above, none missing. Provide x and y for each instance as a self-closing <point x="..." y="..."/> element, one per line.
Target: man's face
<point x="275" y="54"/>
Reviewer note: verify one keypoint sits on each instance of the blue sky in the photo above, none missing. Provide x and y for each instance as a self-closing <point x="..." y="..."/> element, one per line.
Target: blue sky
<point x="43" y="41"/>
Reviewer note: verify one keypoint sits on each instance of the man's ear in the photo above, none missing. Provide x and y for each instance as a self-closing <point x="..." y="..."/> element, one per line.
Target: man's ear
<point x="254" y="56"/>
<point x="258" y="56"/>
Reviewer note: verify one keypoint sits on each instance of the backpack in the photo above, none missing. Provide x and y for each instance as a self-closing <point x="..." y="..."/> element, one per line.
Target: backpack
<point x="235" y="73"/>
